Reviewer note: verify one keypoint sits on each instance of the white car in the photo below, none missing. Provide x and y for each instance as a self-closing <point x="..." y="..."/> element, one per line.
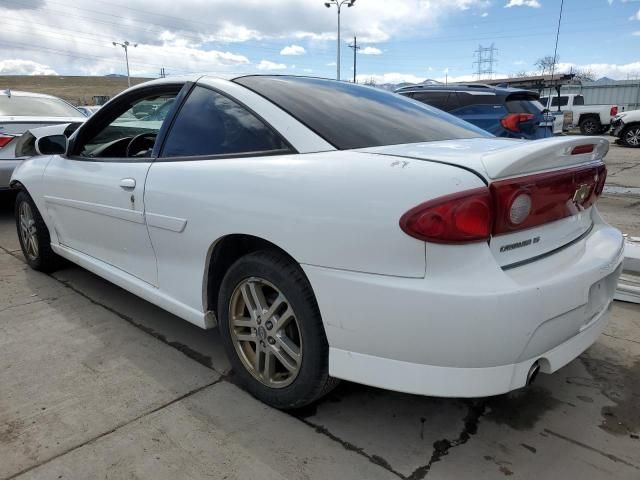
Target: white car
<point x="20" y="112"/>
<point x="626" y="126"/>
<point x="334" y="231"/>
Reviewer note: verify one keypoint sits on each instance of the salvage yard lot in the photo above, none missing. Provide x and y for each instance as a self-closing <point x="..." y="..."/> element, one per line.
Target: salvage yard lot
<point x="95" y="382"/>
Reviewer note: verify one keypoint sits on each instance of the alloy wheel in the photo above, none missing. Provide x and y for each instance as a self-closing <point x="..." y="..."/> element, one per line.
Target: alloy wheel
<point x="28" y="231"/>
<point x="590" y="127"/>
<point x="265" y="332"/>
<point x="632" y="137"/>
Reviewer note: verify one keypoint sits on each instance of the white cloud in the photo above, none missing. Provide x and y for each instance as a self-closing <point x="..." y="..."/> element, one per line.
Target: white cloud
<point x="24" y="67"/>
<point x="370" y="51"/>
<point x="519" y="62"/>
<point x="636" y="33"/>
<point x="293" y="50"/>
<point x="268" y="65"/>
<point x="332" y="64"/>
<point x="485" y="14"/>
<point x="523" y="3"/>
<point x="635" y="16"/>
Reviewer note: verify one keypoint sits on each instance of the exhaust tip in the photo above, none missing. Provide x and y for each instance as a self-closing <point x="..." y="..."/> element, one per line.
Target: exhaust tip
<point x="533" y="373"/>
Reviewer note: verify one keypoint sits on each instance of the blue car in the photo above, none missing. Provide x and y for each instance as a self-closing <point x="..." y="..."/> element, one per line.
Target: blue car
<point x="502" y="111"/>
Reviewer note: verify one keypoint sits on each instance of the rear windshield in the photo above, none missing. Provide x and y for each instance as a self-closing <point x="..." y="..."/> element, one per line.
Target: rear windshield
<point x="354" y="116"/>
<point x="524" y="103"/>
<point x="15" y="106"/>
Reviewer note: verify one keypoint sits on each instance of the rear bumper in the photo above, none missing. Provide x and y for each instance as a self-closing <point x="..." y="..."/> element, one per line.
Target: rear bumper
<point x="468" y="328"/>
<point x="6" y="169"/>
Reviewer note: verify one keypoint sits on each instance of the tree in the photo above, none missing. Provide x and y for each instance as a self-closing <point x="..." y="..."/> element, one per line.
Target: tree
<point x="546" y="64"/>
<point x="584" y="74"/>
<point x="370" y="82"/>
<point x="521" y="74"/>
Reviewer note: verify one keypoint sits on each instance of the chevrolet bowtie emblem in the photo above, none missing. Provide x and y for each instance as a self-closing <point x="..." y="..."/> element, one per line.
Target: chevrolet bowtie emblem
<point x="582" y="193"/>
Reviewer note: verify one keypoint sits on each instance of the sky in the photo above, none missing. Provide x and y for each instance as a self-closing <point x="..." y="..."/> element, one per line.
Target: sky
<point x="401" y="40"/>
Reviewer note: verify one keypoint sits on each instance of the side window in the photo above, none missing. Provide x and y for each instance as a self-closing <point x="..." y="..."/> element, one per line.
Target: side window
<point x="435" y="99"/>
<point x="564" y="101"/>
<point x="211" y="124"/>
<point x="141" y="121"/>
<point x="578" y="100"/>
<point x="480" y="110"/>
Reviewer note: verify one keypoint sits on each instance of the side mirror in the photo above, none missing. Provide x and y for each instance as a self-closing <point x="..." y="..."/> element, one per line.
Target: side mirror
<point x="51" y="145"/>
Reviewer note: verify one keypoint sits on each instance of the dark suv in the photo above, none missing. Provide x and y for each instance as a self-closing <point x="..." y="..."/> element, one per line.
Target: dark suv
<point x="505" y="112"/>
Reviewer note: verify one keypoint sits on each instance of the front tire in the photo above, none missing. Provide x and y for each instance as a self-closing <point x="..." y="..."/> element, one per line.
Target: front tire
<point x="590" y="126"/>
<point x="34" y="235"/>
<point x="272" y="331"/>
<point x="630" y="136"/>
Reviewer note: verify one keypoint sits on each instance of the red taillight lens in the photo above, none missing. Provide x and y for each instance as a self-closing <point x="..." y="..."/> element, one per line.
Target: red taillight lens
<point x="459" y="218"/>
<point x="582" y="149"/>
<point x="512" y="121"/>
<point x="614" y="111"/>
<point x="506" y="206"/>
<point x="4" y="139"/>
<point x="554" y="196"/>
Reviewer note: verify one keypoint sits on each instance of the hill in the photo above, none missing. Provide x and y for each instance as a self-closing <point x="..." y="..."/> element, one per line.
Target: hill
<point x="76" y="90"/>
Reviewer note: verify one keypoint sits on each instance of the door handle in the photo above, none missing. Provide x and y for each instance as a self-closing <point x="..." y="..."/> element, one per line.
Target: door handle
<point x="128" y="183"/>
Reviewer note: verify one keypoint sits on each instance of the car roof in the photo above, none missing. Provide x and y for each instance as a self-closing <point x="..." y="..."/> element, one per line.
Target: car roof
<point x="475" y="88"/>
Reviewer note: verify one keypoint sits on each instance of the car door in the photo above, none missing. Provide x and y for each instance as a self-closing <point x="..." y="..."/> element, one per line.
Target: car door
<point x="211" y="135"/>
<point x="95" y="194"/>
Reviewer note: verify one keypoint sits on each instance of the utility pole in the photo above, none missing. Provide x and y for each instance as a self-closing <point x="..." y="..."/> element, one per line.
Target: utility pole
<point x="126" y="46"/>
<point x="355" y="48"/>
<point x="162" y="73"/>
<point x="339" y="4"/>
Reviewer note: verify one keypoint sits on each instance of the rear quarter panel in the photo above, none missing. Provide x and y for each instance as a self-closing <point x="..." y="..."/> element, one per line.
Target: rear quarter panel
<point x="334" y="209"/>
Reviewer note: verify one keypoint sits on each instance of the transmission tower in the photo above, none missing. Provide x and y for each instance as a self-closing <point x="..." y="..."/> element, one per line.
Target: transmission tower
<point x="486" y="58"/>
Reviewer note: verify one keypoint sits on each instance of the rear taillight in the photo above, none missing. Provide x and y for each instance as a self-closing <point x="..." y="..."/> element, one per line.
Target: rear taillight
<point x="459" y="218"/>
<point x="580" y="149"/>
<point x="506" y="206"/>
<point x="4" y="139"/>
<point x="512" y="121"/>
<point x="553" y="196"/>
<point x="614" y="111"/>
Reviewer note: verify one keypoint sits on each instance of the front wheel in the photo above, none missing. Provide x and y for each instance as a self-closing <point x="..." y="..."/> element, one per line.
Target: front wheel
<point x="34" y="235"/>
<point x="590" y="126"/>
<point x="630" y="136"/>
<point x="272" y="331"/>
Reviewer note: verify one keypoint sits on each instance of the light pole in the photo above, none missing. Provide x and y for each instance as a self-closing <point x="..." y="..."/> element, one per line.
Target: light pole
<point x="339" y="4"/>
<point x="126" y="46"/>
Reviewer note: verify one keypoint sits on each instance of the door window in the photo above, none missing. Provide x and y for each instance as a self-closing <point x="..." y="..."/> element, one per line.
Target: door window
<point x="211" y="124"/>
<point x="480" y="110"/>
<point x="132" y="133"/>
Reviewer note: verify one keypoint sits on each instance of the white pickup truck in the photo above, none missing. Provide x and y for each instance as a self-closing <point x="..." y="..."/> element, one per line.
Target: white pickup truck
<point x="592" y="119"/>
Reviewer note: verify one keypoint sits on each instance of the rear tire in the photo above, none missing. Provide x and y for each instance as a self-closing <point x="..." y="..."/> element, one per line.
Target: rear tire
<point x="630" y="136"/>
<point x="272" y="331"/>
<point x="34" y="235"/>
<point x="590" y="126"/>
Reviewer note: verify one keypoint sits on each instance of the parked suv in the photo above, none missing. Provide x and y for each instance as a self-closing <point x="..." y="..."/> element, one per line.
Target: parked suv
<point x="505" y="112"/>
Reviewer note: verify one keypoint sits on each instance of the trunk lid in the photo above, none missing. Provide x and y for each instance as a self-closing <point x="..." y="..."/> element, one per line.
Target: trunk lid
<point x="561" y="179"/>
<point x="19" y="125"/>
